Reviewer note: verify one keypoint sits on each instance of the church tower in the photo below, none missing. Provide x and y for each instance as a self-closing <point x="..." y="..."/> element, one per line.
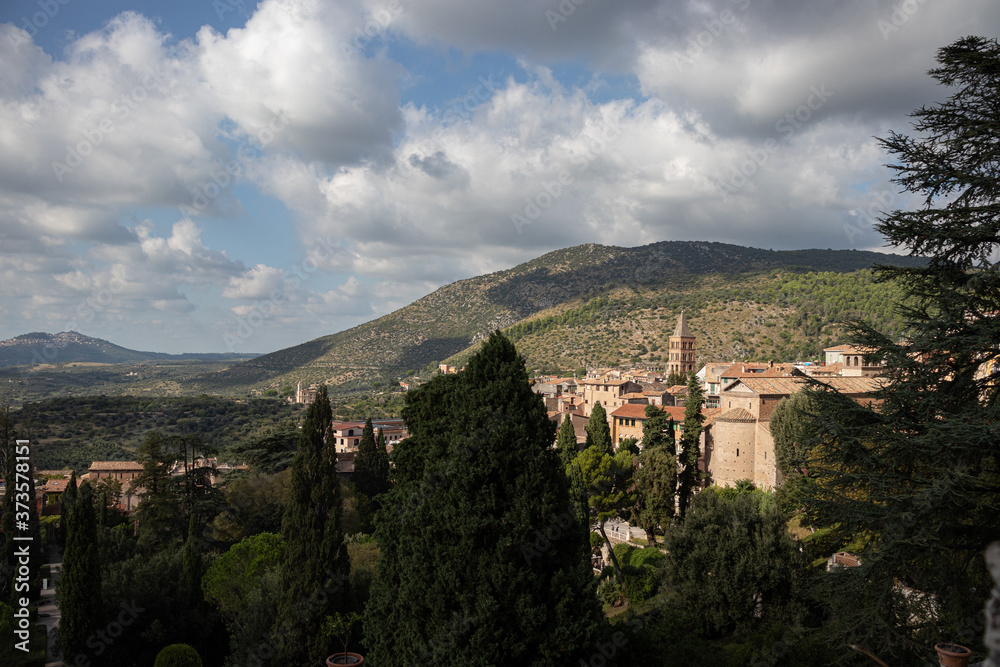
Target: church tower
<point x="681" y="348"/>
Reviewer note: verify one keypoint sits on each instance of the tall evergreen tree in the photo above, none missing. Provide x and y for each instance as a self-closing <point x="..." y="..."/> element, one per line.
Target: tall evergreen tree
<point x="688" y="475"/>
<point x="79" y="587"/>
<point x="598" y="431"/>
<point x="159" y="514"/>
<point x="913" y="479"/>
<point x="67" y="502"/>
<point x="566" y="441"/>
<point x="482" y="562"/>
<point x="316" y="564"/>
<point x="192" y="564"/>
<point x="382" y="468"/>
<point x="656" y="478"/>
<point x="7" y="510"/>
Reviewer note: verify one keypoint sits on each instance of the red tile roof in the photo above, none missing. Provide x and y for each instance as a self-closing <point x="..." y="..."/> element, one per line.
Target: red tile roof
<point x="115" y="465"/>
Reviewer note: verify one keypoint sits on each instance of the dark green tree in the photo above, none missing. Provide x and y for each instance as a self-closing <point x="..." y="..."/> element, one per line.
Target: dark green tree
<point x="79" y="588"/>
<point x="482" y="562"/>
<point x="192" y="563"/>
<point x="733" y="564"/>
<point x="316" y="567"/>
<point x="913" y="477"/>
<point x="371" y="472"/>
<point x="9" y="461"/>
<point x="656" y="478"/>
<point x="789" y="427"/>
<point x="598" y="431"/>
<point x="159" y="514"/>
<point x="688" y="475"/>
<point x="566" y="441"/>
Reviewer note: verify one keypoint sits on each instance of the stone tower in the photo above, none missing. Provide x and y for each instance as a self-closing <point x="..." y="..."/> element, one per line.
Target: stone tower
<point x="682" y="348"/>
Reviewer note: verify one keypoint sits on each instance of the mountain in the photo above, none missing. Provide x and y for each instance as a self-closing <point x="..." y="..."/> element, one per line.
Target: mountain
<point x="73" y="347"/>
<point x="582" y="284"/>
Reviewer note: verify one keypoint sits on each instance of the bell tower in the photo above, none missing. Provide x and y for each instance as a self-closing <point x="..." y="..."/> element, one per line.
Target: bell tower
<point x="682" y="348"/>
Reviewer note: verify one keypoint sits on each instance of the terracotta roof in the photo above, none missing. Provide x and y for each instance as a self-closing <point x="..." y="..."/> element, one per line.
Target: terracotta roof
<point x="608" y="382"/>
<point x="736" y="415"/>
<point x="115" y="465"/>
<point x="841" y="348"/>
<point x="657" y="387"/>
<point x="787" y="386"/>
<point x="829" y="369"/>
<point x="677" y="389"/>
<point x="630" y="411"/>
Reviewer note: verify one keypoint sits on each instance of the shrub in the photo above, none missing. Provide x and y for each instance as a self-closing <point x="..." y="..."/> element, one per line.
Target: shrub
<point x="178" y="655"/>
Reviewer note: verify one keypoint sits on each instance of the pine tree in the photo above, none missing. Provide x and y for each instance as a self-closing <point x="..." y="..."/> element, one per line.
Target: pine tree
<point x="598" y="431"/>
<point x="316" y="568"/>
<point x="688" y="476"/>
<point x="656" y="478"/>
<point x="566" y="441"/>
<point x="914" y="479"/>
<point x="79" y="588"/>
<point x="482" y="562"/>
<point x="159" y="514"/>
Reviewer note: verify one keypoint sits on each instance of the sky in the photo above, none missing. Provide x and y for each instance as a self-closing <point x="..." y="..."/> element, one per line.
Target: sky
<point x="224" y="176"/>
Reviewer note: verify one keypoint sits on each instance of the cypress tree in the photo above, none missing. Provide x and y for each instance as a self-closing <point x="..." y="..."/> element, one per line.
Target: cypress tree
<point x="382" y="470"/>
<point x="912" y="479"/>
<point x="598" y="431"/>
<point x="316" y="567"/>
<point x="566" y="442"/>
<point x="67" y="502"/>
<point x="482" y="562"/>
<point x="656" y="479"/>
<point x="688" y="475"/>
<point x="79" y="587"/>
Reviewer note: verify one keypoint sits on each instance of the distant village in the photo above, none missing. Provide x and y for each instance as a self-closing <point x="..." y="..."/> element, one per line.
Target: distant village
<point x="736" y="442"/>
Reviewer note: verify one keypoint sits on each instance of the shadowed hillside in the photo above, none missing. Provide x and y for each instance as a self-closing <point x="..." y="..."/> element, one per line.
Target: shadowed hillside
<point x="449" y="320"/>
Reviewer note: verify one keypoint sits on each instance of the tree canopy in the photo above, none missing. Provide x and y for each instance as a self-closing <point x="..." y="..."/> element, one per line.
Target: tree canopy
<point x="482" y="561"/>
<point x="912" y="477"/>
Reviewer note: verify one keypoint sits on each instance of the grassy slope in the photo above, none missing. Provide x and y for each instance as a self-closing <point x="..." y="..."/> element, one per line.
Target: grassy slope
<point x="448" y="321"/>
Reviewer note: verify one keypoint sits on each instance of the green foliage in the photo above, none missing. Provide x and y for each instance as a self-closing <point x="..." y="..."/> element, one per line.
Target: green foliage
<point x="233" y="577"/>
<point x="732" y="563"/>
<point x="254" y="504"/>
<point x="789" y="428"/>
<point x="598" y="431"/>
<point x="566" y="442"/>
<point x="178" y="655"/>
<point x="656" y="478"/>
<point x="79" y="590"/>
<point x="371" y="471"/>
<point x="688" y="476"/>
<point x="914" y="481"/>
<point x="316" y="554"/>
<point x="480" y="495"/>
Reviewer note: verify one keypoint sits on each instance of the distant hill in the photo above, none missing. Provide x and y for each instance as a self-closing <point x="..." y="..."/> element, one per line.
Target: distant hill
<point x="73" y="347"/>
<point x="595" y="289"/>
